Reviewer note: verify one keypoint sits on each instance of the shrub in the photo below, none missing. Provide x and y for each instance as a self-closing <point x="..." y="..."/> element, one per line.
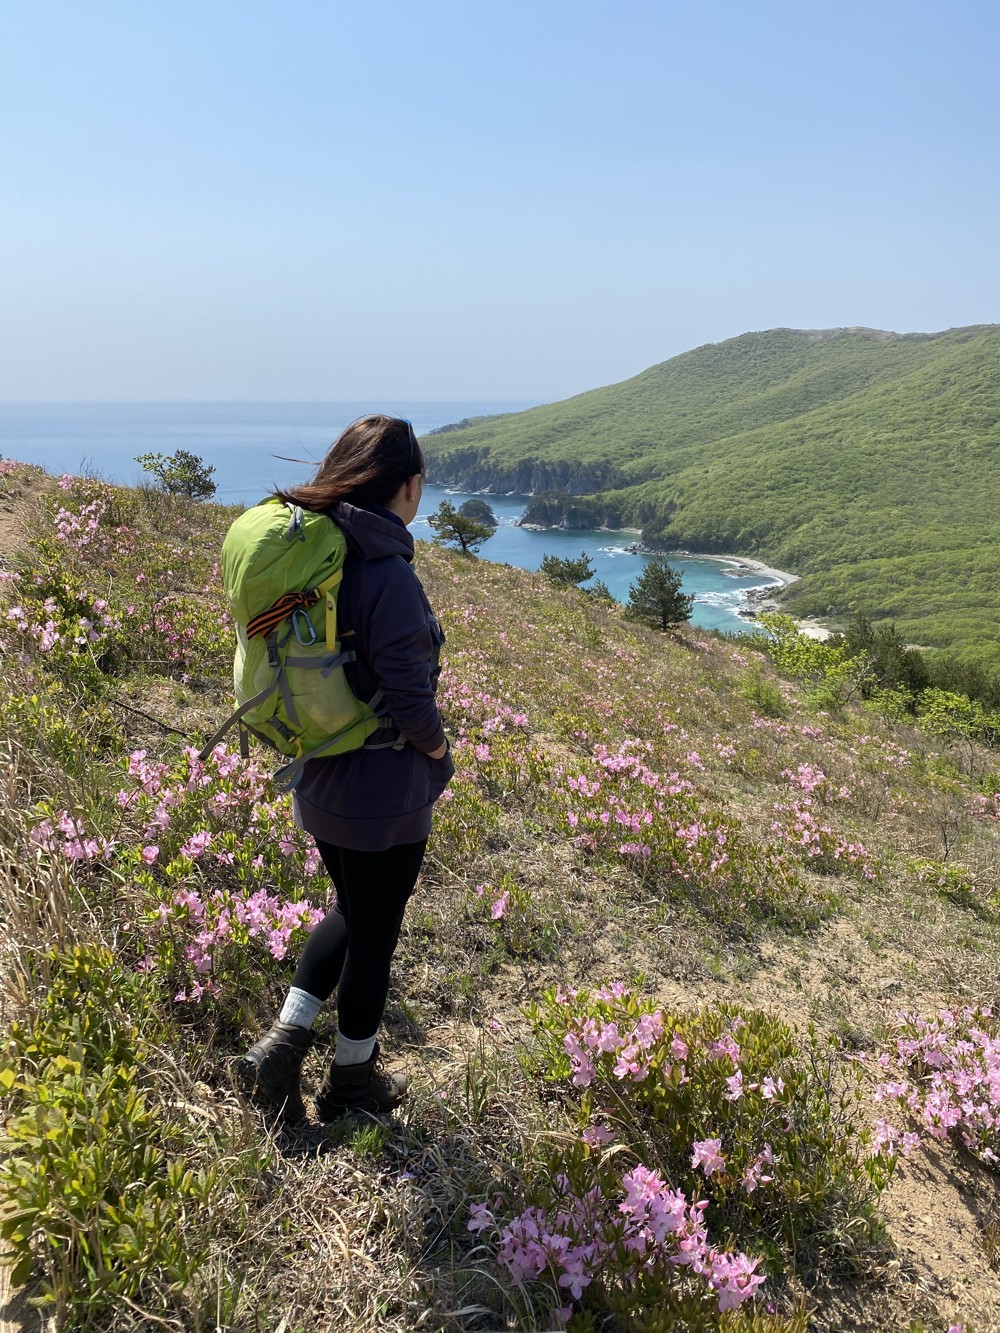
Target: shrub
<point x="725" y="1123"/>
<point x="102" y="1190"/>
<point x="217" y="873"/>
<point x="182" y="473"/>
<point x="947" y="1071"/>
<point x="616" y="808"/>
<point x="824" y="667"/>
<point x="764" y="696"/>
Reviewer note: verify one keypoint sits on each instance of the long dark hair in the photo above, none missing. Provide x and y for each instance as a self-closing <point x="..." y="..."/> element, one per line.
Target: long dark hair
<point x="368" y="462"/>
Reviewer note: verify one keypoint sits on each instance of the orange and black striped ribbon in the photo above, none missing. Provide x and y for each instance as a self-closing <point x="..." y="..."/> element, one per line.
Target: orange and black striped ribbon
<point x="271" y="618"/>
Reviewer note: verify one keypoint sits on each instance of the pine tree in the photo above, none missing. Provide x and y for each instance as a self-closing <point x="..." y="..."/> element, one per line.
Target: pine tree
<point x="656" y="598"/>
<point x="451" y="526"/>
<point x="565" y="570"/>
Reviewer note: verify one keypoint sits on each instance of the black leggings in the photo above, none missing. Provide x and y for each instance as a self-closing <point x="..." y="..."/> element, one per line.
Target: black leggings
<point x="351" y="948"/>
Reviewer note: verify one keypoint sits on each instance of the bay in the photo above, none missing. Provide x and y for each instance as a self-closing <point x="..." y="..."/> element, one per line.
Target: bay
<point x="250" y="445"/>
<point x="718" y="595"/>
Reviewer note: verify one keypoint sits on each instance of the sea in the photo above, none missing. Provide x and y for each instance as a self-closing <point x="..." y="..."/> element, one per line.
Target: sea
<point x="254" y="446"/>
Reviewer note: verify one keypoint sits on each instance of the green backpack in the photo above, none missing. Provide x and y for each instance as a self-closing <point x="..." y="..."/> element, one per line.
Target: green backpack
<point x="281" y="570"/>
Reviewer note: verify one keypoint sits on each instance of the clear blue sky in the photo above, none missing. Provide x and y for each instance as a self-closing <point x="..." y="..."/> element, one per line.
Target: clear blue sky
<point x="473" y="199"/>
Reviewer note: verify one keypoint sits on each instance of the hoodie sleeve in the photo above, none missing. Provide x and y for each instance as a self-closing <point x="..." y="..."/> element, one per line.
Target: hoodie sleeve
<point x="395" y="638"/>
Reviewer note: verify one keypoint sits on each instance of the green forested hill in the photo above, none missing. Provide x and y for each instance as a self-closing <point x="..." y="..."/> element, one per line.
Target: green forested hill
<point x="868" y="462"/>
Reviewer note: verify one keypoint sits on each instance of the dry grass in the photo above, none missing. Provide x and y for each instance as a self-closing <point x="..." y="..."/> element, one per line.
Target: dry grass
<point x="363" y="1227"/>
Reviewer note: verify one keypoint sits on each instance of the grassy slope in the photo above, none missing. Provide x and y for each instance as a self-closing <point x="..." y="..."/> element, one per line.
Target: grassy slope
<point x="865" y="462"/>
<point x="373" y="1235"/>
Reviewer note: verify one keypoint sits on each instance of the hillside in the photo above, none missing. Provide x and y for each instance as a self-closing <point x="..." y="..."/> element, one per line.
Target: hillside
<point x="702" y="967"/>
<point x="867" y="462"/>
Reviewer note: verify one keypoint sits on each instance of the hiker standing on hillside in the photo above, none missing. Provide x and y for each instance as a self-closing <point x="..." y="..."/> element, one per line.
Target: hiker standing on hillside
<point x="369" y="809"/>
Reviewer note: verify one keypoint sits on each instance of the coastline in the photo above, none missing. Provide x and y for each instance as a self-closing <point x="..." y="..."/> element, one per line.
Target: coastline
<point x="758" y="599"/>
<point x="761" y="597"/>
<point x="781" y="576"/>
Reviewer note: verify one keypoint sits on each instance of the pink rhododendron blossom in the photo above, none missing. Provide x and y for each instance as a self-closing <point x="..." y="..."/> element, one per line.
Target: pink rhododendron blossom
<point x="197" y="845"/>
<point x="707" y="1154"/>
<point x="480" y="1217"/>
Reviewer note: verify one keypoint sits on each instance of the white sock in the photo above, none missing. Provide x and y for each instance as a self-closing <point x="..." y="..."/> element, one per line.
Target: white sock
<point x="300" y="1008"/>
<point x="353" y="1052"/>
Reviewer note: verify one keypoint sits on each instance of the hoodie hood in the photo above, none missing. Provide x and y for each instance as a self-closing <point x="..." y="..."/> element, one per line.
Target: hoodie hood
<point x="372" y="535"/>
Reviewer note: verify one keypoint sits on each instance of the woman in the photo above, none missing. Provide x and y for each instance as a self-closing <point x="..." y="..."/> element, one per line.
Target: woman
<point x="370" y="809"/>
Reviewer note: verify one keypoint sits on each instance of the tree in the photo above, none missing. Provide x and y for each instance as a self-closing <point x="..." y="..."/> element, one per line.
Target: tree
<point x="656" y="598"/>
<point x="566" y="571"/>
<point x="182" y="473"/>
<point x="452" y="526"/>
<point x="890" y="664"/>
<point x="479" y="510"/>
<point x="600" y="590"/>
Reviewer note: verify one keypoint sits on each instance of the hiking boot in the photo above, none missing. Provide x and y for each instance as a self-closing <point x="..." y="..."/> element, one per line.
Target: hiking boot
<point x="359" y="1088"/>
<point x="269" y="1072"/>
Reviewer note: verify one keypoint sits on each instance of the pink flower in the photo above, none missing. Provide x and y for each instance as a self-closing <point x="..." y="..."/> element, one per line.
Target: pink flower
<point x="480" y="1217"/>
<point x="734" y="1084"/>
<point x="595" y="1135"/>
<point x="149" y="854"/>
<point x="197" y="844"/>
<point x="500" y="906"/>
<point x="707" y="1154"/>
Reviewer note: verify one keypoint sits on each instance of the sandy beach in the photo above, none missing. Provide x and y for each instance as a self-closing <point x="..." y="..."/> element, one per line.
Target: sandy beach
<point x="811" y="628"/>
<point x="744" y="562"/>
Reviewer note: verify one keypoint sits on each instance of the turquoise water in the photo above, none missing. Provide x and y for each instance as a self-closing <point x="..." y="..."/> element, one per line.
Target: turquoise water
<point x="250" y="445"/>
<point x="717" y="594"/>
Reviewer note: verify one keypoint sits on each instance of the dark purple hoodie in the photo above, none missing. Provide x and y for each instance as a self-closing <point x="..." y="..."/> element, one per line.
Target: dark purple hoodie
<point x="370" y="799"/>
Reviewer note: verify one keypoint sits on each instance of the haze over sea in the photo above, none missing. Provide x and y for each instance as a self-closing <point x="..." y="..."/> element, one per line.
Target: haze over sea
<point x="250" y="445"/>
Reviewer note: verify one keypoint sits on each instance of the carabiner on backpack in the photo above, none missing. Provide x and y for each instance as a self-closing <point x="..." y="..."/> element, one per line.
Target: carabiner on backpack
<point x="299" y="618"/>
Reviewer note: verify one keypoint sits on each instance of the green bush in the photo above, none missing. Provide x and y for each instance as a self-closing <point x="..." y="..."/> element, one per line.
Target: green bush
<point x="104" y="1195"/>
<point x="182" y="473"/>
<point x="730" y="1134"/>
<point x="764" y="696"/>
<point x="748" y="1079"/>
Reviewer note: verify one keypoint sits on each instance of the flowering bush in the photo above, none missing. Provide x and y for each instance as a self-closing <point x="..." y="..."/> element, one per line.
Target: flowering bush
<point x="948" y="1078"/>
<point x="640" y="1244"/>
<point x="987" y="807"/>
<point x="620" y="808"/>
<point x="737" y="1124"/>
<point x="798" y="824"/>
<point x="79" y="633"/>
<point x="218" y="871"/>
